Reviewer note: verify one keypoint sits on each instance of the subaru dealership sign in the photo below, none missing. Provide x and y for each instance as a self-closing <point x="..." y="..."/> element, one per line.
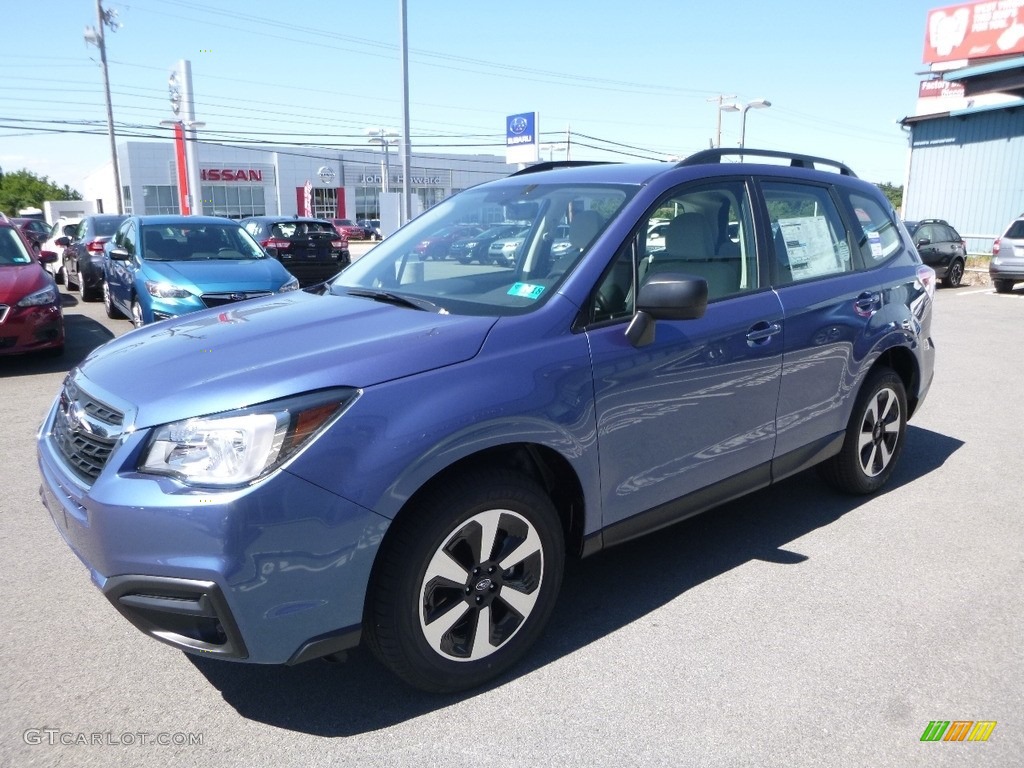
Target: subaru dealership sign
<point x="522" y="144"/>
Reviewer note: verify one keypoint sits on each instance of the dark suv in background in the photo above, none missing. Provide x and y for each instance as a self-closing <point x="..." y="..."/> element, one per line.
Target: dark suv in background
<point x="83" y="254"/>
<point x="941" y="248"/>
<point x="311" y="249"/>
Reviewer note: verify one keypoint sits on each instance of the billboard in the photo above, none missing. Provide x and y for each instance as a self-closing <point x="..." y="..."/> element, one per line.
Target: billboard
<point x="522" y="144"/>
<point x="974" y="31"/>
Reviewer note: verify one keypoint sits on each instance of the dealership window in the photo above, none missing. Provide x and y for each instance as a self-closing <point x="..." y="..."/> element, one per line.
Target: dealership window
<point x="325" y="202"/>
<point x="126" y="196"/>
<point x="234" y="201"/>
<point x="160" y="199"/>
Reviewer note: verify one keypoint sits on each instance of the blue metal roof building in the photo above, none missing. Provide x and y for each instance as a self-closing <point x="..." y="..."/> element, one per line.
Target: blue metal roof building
<point x="967" y="165"/>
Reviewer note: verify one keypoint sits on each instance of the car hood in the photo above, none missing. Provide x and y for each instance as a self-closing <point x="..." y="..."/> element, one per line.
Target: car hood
<point x="263" y="349"/>
<point x="19" y="280"/>
<point x="220" y="274"/>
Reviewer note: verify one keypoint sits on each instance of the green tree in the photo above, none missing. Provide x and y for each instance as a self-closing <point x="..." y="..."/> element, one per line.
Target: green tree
<point x="24" y="189"/>
<point x="894" y="193"/>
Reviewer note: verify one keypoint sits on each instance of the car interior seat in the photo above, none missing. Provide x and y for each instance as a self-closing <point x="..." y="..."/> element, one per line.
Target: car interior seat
<point x="582" y="230"/>
<point x="154" y="244"/>
<point x="690" y="249"/>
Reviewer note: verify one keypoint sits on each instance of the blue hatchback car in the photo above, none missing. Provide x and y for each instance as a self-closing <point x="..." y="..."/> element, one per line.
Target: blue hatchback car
<point x="406" y="455"/>
<point x="156" y="267"/>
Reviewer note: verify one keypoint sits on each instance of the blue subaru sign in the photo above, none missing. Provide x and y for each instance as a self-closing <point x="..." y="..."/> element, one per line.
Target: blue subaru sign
<point x="521" y="141"/>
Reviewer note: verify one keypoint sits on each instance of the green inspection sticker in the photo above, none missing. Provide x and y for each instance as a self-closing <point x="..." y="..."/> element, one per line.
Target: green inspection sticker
<point x="526" y="290"/>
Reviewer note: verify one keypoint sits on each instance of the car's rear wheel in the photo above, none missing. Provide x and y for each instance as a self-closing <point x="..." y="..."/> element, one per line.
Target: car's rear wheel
<point x="108" y="304"/>
<point x="874" y="436"/>
<point x="954" y="275"/>
<point x="1003" y="286"/>
<point x="89" y="293"/>
<point x="465" y="581"/>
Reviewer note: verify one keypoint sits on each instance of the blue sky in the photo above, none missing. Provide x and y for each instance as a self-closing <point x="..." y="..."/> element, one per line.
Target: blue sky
<point x="630" y="80"/>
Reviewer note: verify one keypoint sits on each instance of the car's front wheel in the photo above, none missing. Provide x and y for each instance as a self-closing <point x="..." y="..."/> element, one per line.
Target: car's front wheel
<point x="137" y="319"/>
<point x="108" y="304"/>
<point x="874" y="436"/>
<point x="954" y="275"/>
<point x="465" y="581"/>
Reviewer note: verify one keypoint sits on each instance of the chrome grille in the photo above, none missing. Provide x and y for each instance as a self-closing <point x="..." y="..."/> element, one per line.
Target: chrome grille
<point x="230" y="297"/>
<point x="85" y="431"/>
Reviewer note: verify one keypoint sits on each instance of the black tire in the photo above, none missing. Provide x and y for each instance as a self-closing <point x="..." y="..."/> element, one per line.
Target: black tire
<point x="1003" y="286"/>
<point x="954" y="275"/>
<point x="874" y="437"/>
<point x="432" y="585"/>
<point x="90" y="294"/>
<point x="70" y="284"/>
<point x="108" y="305"/>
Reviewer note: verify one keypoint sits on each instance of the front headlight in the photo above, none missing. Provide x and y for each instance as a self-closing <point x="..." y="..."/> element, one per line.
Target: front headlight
<point x="291" y="285"/>
<point x="166" y="290"/>
<point x="237" y="447"/>
<point x="40" y="298"/>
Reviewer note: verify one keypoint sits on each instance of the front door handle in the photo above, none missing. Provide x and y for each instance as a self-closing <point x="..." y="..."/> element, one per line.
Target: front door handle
<point x="761" y="332"/>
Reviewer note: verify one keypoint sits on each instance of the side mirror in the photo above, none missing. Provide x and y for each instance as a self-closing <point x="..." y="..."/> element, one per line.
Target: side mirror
<point x="69" y="230"/>
<point x="924" y="241"/>
<point x="63" y="242"/>
<point x="667" y="296"/>
<point x="47" y="257"/>
<point x="119" y="254"/>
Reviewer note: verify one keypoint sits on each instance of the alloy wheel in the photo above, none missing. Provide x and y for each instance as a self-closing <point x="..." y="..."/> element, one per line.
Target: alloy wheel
<point x="879" y="432"/>
<point x="481" y="585"/>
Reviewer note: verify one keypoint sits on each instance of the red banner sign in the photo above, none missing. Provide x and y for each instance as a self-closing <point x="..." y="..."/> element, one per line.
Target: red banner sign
<point x="974" y="31"/>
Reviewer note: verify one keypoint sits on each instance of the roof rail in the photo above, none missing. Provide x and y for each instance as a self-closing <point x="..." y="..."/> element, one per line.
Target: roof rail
<point x="795" y="160"/>
<point x="550" y="165"/>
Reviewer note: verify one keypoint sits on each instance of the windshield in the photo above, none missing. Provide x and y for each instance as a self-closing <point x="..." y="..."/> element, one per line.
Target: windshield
<point x="187" y="242"/>
<point x="12" y="250"/>
<point x="491" y="250"/>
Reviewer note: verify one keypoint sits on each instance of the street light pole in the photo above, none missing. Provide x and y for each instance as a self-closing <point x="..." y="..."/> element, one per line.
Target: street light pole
<point x="406" y="150"/>
<point x="755" y="104"/>
<point x="96" y="37"/>
<point x="385" y="138"/>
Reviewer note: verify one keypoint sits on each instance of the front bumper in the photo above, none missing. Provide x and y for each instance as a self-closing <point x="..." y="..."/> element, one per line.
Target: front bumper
<point x="272" y="573"/>
<point x="27" y="329"/>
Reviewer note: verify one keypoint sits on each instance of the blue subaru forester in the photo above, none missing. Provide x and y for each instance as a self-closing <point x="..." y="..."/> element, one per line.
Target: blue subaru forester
<point x="406" y="454"/>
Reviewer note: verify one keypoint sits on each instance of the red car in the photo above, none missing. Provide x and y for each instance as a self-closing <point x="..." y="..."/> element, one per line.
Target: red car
<point x="31" y="318"/>
<point x="349" y="229"/>
<point x="35" y="231"/>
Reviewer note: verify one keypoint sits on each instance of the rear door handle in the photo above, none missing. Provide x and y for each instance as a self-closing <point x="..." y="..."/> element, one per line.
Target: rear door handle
<point x="761" y="332"/>
<point x="868" y="303"/>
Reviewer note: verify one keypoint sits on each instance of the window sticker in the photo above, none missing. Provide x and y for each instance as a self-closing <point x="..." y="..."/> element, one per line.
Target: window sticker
<point x="526" y="290"/>
<point x="875" y="241"/>
<point x="809" y="246"/>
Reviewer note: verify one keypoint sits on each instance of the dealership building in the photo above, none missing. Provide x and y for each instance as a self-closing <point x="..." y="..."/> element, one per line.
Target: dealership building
<point x="966" y="160"/>
<point x="238" y="181"/>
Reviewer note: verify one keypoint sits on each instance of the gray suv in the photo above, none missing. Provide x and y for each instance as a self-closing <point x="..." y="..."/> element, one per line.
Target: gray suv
<point x="1007" y="265"/>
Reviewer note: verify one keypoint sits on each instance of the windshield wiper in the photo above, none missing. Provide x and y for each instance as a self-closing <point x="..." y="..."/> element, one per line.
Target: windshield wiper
<point x="394" y="298"/>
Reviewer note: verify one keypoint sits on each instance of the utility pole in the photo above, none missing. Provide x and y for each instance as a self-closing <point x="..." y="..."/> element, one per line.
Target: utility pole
<point x="96" y="37"/>
<point x="718" y="114"/>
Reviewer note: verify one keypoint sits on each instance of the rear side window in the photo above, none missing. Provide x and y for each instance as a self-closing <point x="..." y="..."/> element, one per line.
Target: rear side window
<point x="879" y="237"/>
<point x="809" y="238"/>
<point x="1016" y="230"/>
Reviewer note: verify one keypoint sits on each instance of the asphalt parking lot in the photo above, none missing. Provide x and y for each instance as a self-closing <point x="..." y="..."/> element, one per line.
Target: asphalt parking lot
<point x="794" y="627"/>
